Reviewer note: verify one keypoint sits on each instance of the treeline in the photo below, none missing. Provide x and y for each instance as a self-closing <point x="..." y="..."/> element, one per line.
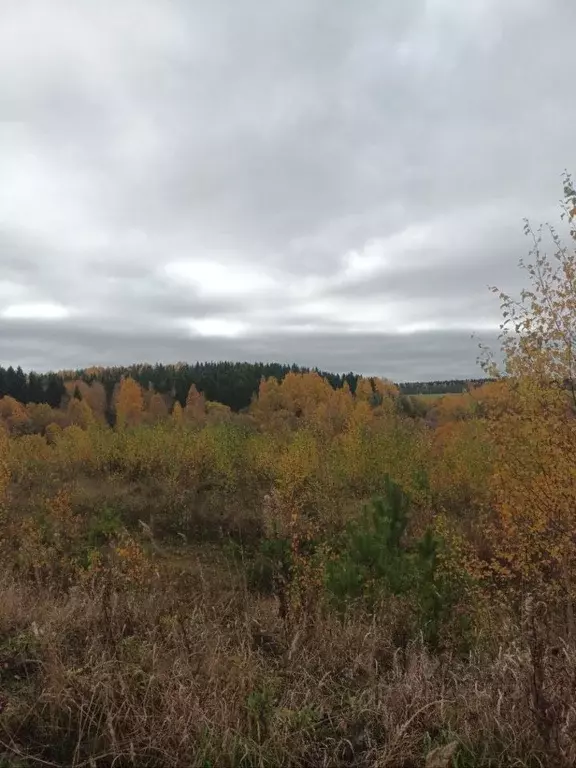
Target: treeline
<point x="228" y="383"/>
<point x="32" y="387"/>
<point x="450" y="386"/>
<point x="232" y="384"/>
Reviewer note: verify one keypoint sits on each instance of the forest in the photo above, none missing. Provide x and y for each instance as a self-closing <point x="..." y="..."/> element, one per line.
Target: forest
<point x="230" y="565"/>
<point x="229" y="383"/>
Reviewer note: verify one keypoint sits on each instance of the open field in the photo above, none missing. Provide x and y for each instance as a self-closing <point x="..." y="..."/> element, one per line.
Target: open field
<point x="321" y="581"/>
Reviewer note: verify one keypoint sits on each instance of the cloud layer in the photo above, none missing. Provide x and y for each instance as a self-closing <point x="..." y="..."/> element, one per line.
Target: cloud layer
<point x="316" y="181"/>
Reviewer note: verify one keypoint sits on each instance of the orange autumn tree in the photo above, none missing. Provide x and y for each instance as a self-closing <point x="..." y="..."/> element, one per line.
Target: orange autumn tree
<point x="157" y="409"/>
<point x="129" y="403"/>
<point x="94" y="395"/>
<point x="96" y="398"/>
<point x="195" y="411"/>
<point x="13" y="415"/>
<point x="451" y="408"/>
<point x="534" y="435"/>
<point x="489" y="398"/>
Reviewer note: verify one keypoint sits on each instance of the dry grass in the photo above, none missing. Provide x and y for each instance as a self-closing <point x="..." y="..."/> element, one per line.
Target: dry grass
<point x="193" y="670"/>
<point x="166" y="658"/>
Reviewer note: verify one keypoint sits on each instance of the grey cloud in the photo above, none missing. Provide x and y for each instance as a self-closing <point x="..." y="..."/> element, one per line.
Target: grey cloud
<point x="142" y="290"/>
<point x="275" y="138"/>
<point x="18" y="258"/>
<point x="417" y="356"/>
<point x="449" y="271"/>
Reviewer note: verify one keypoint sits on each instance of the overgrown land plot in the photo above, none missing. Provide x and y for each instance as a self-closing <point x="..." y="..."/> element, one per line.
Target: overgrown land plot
<point x="332" y="572"/>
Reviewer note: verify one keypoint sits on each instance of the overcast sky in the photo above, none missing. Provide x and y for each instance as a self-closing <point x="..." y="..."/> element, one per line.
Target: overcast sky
<point x="328" y="182"/>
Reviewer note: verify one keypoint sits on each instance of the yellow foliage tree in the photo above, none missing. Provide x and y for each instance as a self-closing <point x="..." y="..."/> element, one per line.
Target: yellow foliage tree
<point x="177" y="413"/>
<point x="217" y="413"/>
<point x="53" y="431"/>
<point x="296" y="401"/>
<point x="79" y="413"/>
<point x="364" y="391"/>
<point x="267" y="406"/>
<point x="332" y="414"/>
<point x="534" y="436"/>
<point x="40" y="415"/>
<point x="129" y="403"/>
<point x="460" y="467"/>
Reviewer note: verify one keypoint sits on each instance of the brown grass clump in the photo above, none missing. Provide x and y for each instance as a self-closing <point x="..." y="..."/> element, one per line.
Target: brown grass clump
<point x="190" y="669"/>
